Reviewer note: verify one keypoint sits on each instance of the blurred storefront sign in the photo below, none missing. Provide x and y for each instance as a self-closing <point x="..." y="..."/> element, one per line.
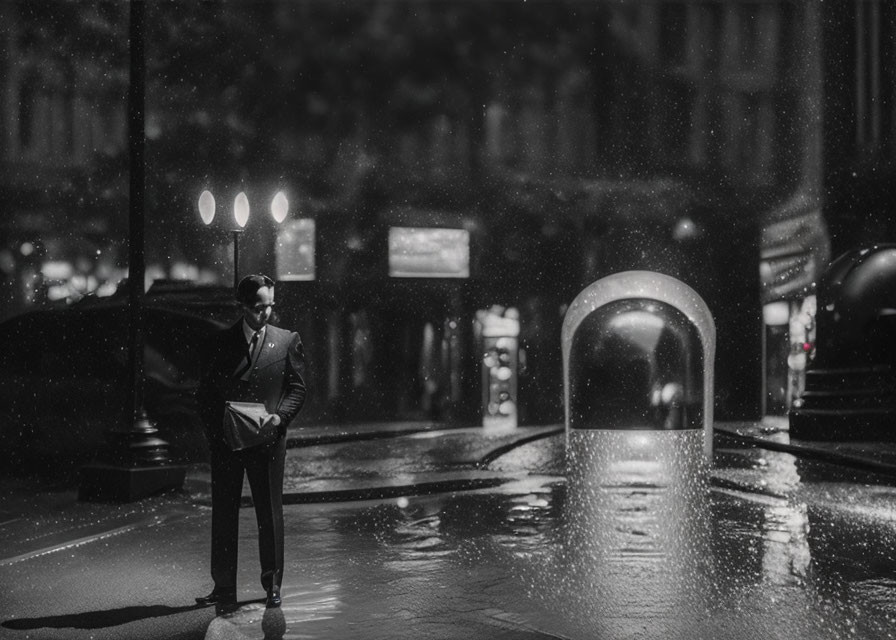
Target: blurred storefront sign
<point x="417" y="252"/>
<point x="795" y="249"/>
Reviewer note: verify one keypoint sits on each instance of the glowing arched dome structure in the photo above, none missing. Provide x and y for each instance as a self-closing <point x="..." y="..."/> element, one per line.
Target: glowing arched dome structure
<point x="638" y="352"/>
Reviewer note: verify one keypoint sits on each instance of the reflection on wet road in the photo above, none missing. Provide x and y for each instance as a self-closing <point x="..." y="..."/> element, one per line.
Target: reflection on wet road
<point x="635" y="540"/>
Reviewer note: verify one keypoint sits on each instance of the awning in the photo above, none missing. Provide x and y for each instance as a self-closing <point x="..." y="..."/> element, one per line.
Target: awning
<point x="795" y="248"/>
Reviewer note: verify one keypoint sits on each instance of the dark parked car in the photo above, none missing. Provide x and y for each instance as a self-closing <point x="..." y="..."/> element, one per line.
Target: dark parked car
<point x="64" y="373"/>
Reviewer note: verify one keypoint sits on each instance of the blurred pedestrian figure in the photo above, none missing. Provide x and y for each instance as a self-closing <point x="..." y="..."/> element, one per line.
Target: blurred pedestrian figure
<point x="251" y="363"/>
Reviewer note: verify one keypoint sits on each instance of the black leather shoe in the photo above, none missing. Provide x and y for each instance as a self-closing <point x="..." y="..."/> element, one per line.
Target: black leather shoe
<point x="225" y="597"/>
<point x="273" y="600"/>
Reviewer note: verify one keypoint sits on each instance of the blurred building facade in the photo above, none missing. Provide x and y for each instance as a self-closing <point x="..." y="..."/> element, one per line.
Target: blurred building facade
<point x="63" y="144"/>
<point x="668" y="155"/>
<point x="733" y="145"/>
<point x="847" y="163"/>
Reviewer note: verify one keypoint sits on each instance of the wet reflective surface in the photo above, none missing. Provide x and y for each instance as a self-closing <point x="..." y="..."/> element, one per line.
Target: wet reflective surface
<point x="640" y="539"/>
<point x="630" y="535"/>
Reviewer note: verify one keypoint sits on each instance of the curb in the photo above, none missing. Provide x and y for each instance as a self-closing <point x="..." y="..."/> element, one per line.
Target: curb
<point x="800" y="449"/>
<point x="386" y="492"/>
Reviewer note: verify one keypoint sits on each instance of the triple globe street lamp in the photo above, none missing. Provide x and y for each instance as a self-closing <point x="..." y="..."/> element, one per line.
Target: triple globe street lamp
<point x="279" y="211"/>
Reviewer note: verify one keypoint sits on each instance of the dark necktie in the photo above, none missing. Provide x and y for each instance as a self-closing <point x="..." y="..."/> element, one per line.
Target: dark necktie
<point x="243" y="371"/>
<point x="251" y="350"/>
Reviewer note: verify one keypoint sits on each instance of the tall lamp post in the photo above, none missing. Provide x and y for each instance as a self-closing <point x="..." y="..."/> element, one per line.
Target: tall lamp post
<point x="279" y="211"/>
<point x="136" y="463"/>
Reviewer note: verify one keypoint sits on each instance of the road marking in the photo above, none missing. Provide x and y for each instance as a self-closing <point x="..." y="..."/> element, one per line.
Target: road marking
<point x="71" y="544"/>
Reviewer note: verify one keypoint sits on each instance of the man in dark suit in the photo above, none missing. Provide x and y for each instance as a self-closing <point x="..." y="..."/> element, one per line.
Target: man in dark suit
<point x="252" y="361"/>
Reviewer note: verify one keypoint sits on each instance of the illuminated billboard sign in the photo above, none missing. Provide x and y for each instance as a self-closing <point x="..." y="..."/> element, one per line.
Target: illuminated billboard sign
<point x="421" y="252"/>
<point x="295" y="250"/>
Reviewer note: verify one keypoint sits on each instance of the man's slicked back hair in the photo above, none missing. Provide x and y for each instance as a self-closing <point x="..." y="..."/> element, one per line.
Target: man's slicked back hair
<point x="249" y="286"/>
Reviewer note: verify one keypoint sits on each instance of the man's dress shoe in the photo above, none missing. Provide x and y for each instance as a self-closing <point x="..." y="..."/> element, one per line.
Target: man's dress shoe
<point x="219" y="597"/>
<point x="273" y="600"/>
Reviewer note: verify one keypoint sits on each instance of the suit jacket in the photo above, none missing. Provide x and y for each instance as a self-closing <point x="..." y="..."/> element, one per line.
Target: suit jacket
<point x="276" y="378"/>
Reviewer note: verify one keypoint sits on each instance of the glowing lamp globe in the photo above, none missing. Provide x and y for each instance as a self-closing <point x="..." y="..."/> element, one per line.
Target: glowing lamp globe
<point x="207" y="206"/>
<point x="241" y="209"/>
<point x="279" y="207"/>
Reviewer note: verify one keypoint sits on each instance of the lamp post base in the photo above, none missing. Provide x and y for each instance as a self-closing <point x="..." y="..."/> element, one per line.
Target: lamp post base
<point x="135" y="466"/>
<point x="105" y="482"/>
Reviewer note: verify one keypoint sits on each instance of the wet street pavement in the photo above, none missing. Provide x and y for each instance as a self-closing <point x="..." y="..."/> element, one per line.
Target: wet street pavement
<point x="408" y="531"/>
